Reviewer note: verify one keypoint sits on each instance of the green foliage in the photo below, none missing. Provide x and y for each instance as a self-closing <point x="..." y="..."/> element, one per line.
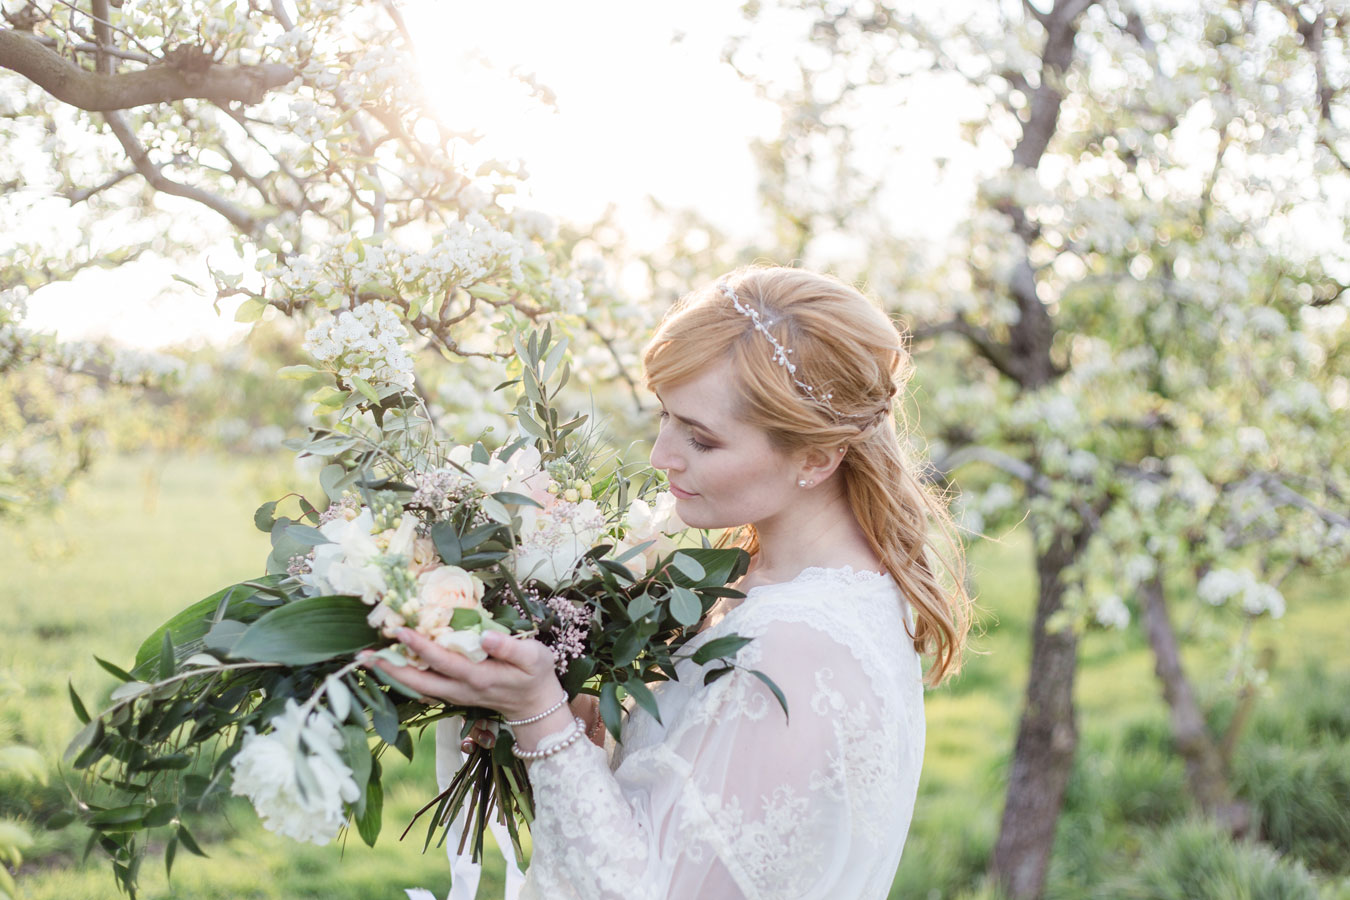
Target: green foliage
<point x="1196" y="861"/>
<point x="1301" y="797"/>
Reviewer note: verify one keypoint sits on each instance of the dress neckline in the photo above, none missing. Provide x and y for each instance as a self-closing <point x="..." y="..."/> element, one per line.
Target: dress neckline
<point x="811" y="574"/>
<point x="846" y="574"/>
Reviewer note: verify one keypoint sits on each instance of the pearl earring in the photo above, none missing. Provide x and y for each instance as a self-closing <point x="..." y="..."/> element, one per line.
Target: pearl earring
<point x="801" y="483"/>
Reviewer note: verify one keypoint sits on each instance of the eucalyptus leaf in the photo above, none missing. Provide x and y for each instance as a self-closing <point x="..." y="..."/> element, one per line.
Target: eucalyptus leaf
<point x="356" y="753"/>
<point x="496" y="510"/>
<point x="306" y="534"/>
<point x="684" y="605"/>
<point x="688" y="567"/>
<point x="339" y="698"/>
<point x="640" y="606"/>
<point x="263" y="518"/>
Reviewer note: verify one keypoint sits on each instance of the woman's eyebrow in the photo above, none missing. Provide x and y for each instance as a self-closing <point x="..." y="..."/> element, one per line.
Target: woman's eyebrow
<point x="692" y="423"/>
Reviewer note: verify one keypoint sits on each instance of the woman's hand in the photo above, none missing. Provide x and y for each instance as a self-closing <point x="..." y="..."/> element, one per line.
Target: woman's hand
<point x="517" y="679"/>
<point x="586" y="707"/>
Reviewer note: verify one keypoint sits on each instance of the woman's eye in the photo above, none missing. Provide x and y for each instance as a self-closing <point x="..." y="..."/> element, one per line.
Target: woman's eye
<point x="696" y="444"/>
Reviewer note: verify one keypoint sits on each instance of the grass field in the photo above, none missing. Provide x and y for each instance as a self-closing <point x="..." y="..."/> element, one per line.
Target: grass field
<point x="145" y="536"/>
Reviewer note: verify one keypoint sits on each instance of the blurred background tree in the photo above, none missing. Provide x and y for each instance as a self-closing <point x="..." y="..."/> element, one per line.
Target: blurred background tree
<point x="1142" y="322"/>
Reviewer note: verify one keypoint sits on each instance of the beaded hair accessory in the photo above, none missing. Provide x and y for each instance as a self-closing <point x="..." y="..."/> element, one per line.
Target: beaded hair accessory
<point x="781" y="353"/>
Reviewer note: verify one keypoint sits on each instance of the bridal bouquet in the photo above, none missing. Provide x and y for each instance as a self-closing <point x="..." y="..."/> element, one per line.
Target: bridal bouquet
<point x="255" y="690"/>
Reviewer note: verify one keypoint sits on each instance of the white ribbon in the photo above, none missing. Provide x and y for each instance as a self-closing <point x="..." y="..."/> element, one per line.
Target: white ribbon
<point x="464" y="872"/>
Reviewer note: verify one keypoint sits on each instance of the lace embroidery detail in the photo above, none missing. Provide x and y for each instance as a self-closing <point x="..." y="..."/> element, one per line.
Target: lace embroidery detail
<point x="723" y="800"/>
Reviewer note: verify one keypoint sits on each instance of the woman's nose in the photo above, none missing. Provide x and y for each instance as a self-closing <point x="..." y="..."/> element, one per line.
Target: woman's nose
<point x="661" y="456"/>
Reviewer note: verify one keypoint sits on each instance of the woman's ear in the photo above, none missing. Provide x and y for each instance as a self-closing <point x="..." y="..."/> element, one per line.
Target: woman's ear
<point x="817" y="465"/>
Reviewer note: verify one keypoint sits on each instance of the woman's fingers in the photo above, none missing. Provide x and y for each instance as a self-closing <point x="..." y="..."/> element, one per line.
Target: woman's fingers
<point x="449" y="662"/>
<point x="427" y="683"/>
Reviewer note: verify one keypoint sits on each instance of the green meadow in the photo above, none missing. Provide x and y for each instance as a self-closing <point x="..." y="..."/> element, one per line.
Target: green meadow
<point x="144" y="536"/>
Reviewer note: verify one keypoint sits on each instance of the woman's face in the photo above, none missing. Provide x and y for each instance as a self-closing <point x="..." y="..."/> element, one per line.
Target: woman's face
<point x="722" y="471"/>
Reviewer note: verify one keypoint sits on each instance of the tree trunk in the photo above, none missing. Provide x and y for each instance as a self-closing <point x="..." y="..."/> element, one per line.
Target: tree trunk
<point x="1047" y="737"/>
<point x="1206" y="774"/>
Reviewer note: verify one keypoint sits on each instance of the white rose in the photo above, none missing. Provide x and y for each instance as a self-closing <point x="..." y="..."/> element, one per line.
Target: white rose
<point x="469" y="642"/>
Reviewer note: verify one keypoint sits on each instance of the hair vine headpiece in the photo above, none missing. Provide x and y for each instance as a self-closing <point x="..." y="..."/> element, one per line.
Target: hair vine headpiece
<point x="781" y="353"/>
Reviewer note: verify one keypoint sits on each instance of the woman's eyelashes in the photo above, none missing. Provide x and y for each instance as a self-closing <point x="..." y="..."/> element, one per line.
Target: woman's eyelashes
<point x="693" y="442"/>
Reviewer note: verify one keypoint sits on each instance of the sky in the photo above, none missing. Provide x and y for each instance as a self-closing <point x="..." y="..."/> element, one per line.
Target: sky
<point x="645" y="106"/>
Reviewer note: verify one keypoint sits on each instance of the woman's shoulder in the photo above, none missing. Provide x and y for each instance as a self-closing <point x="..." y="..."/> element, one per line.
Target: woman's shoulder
<point x="860" y="610"/>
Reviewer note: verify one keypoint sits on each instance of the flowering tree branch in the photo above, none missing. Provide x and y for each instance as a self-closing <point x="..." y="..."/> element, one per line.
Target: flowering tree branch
<point x="188" y="76"/>
<point x="152" y="173"/>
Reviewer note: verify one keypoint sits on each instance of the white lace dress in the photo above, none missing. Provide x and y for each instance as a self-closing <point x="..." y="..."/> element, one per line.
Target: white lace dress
<point x="725" y="799"/>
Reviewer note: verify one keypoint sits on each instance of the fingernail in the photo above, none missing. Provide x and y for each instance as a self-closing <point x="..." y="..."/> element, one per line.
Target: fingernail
<point x="467" y="746"/>
<point x="403" y="634"/>
<point x="491" y="641"/>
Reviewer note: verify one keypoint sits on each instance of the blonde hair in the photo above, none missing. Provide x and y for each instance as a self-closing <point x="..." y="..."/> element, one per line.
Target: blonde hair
<point x="843" y="346"/>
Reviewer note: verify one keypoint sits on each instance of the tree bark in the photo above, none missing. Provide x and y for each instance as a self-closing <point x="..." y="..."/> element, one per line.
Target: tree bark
<point x="1047" y="738"/>
<point x="1206" y="774"/>
<point x="161" y="83"/>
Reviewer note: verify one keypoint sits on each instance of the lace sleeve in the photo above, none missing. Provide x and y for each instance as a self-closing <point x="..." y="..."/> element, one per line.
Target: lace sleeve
<point x="734" y="801"/>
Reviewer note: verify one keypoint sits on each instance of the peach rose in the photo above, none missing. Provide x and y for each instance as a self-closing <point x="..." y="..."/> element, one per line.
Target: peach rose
<point x="449" y="587"/>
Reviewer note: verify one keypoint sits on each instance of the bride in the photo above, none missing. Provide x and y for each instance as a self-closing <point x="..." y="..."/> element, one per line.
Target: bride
<point x="777" y="390"/>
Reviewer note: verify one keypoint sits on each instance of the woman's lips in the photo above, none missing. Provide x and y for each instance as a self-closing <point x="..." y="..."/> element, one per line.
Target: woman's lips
<point x="681" y="495"/>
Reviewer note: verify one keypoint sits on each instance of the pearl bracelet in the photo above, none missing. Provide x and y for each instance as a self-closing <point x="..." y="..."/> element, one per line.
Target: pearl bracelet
<point x="543" y="715"/>
<point x="574" y="731"/>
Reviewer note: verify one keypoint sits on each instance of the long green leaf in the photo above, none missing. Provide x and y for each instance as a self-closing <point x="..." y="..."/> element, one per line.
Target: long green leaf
<point x="191" y="625"/>
<point x="644" y="697"/>
<point x="308" y="631"/>
<point x="782" y="701"/>
<point x="722" y="646"/>
<point x="720" y="566"/>
<point x="610" y="709"/>
<point x="368" y="823"/>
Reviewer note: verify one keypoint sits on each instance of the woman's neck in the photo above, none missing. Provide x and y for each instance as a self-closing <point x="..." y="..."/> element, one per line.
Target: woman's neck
<point x="819" y="531"/>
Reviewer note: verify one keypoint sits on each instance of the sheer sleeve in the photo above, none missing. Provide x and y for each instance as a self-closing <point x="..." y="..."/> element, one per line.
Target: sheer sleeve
<point x="734" y="800"/>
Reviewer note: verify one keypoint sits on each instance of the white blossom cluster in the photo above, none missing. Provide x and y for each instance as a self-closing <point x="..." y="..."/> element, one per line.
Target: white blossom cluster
<point x="1111" y="611"/>
<point x="303" y="748"/>
<point x="366" y="342"/>
<point x="464" y="254"/>
<point x="1257" y="597"/>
